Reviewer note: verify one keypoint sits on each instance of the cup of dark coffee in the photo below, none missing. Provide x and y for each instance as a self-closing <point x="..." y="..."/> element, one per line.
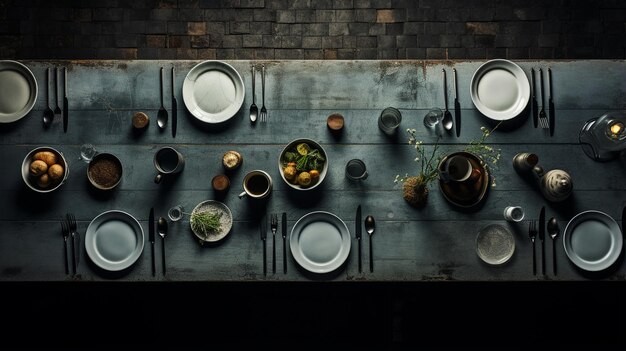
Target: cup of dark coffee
<point x="257" y="184"/>
<point x="168" y="161"/>
<point x="458" y="168"/>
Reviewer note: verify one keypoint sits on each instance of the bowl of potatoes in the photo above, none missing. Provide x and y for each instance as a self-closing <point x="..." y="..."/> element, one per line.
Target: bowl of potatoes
<point x="44" y="169"/>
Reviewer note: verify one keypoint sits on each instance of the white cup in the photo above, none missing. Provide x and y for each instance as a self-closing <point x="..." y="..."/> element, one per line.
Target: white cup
<point x="513" y="213"/>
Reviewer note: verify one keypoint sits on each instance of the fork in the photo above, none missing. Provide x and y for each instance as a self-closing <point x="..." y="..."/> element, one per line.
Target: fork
<point x="263" y="109"/>
<point x="65" y="230"/>
<point x="532" y="233"/>
<point x="274" y="226"/>
<point x="71" y="220"/>
<point x="543" y="118"/>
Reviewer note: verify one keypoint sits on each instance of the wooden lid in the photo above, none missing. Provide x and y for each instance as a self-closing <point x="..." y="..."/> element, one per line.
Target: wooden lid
<point x="140" y="120"/>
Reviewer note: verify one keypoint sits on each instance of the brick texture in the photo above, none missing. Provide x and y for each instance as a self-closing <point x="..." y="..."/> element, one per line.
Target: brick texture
<point x="312" y="29"/>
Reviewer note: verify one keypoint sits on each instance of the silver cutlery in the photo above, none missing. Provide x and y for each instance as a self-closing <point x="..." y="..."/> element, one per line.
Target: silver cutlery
<point x="532" y="233"/>
<point x="274" y="226"/>
<point x="357" y="232"/>
<point x="71" y="221"/>
<point x="65" y="230"/>
<point x="553" y="230"/>
<point x="174" y="107"/>
<point x="48" y="114"/>
<point x="542" y="236"/>
<point x="370" y="226"/>
<point x="254" y="110"/>
<point x="543" y="118"/>
<point x="284" y="232"/>
<point x="57" y="109"/>
<point x="65" y="101"/>
<point x="263" y="238"/>
<point x="162" y="114"/>
<point x="447" y="116"/>
<point x="162" y="229"/>
<point x="151" y="239"/>
<point x="263" y="109"/>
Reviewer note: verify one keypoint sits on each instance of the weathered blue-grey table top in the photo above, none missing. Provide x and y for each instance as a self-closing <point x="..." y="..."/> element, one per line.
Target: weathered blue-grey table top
<point x="434" y="243"/>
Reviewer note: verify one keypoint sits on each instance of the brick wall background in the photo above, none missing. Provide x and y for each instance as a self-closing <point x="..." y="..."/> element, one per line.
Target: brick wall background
<point x="312" y="29"/>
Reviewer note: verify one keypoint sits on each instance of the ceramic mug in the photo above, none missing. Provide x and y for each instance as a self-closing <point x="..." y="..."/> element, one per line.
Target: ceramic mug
<point x="257" y="184"/>
<point x="168" y="161"/>
<point x="457" y="169"/>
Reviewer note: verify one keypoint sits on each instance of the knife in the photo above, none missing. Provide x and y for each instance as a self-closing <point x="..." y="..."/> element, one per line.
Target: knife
<point x="357" y="230"/>
<point x="284" y="242"/>
<point x="174" y="106"/>
<point x="550" y="103"/>
<point x="263" y="237"/>
<point x="65" y="102"/>
<point x="535" y="107"/>
<point x="151" y="238"/>
<point x="457" y="106"/>
<point x="542" y="236"/>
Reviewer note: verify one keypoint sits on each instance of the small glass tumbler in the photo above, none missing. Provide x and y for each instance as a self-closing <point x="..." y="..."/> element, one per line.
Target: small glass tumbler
<point x="389" y="120"/>
<point x="356" y="170"/>
<point x="433" y="119"/>
<point x="87" y="152"/>
<point x="176" y="213"/>
<point x="513" y="213"/>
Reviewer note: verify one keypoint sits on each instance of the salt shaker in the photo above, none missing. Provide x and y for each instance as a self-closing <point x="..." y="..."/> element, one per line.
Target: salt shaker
<point x="556" y="185"/>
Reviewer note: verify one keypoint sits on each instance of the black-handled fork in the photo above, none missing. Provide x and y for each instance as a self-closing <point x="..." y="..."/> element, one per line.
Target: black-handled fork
<point x="532" y="233"/>
<point x="274" y="227"/>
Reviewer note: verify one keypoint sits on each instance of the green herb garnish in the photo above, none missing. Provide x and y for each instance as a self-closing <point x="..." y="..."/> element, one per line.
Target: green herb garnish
<point x="206" y="223"/>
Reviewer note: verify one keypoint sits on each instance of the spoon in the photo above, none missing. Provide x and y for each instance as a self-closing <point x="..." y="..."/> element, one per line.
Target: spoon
<point x="48" y="114"/>
<point x="447" y="116"/>
<point x="553" y="230"/>
<point x="162" y="229"/>
<point x="370" y="225"/>
<point x="254" y="110"/>
<point x="162" y="114"/>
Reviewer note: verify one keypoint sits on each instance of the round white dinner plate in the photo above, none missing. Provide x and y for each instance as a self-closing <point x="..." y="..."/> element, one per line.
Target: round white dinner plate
<point x="500" y="89"/>
<point x="114" y="240"/>
<point x="320" y="242"/>
<point x="213" y="91"/>
<point x="18" y="91"/>
<point x="592" y="240"/>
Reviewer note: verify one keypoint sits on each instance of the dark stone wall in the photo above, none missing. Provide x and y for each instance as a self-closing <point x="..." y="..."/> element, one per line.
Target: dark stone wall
<point x="312" y="29"/>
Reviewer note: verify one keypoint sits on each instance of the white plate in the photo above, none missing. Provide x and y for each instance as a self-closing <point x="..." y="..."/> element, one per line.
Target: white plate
<point x="226" y="220"/>
<point x="320" y="242"/>
<point x="213" y="91"/>
<point x="114" y="240"/>
<point x="592" y="240"/>
<point x="500" y="89"/>
<point x="18" y="91"/>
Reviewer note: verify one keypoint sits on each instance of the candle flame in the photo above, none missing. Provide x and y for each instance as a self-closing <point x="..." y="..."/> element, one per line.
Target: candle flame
<point x="617" y="128"/>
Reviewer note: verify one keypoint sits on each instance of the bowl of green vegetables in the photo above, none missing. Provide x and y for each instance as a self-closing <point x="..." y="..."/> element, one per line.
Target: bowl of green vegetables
<point x="303" y="164"/>
<point x="211" y="221"/>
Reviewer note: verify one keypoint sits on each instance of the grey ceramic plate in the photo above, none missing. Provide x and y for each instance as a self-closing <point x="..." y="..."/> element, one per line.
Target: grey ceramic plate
<point x="320" y="242"/>
<point x="18" y="91"/>
<point x="226" y="220"/>
<point x="592" y="240"/>
<point x="500" y="89"/>
<point x="495" y="244"/>
<point x="114" y="240"/>
<point x="213" y="91"/>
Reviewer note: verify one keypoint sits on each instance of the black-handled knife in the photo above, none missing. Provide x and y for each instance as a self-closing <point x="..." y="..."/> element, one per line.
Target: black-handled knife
<point x="357" y="231"/>
<point x="535" y="106"/>
<point x="151" y="238"/>
<point x="284" y="230"/>
<point x="551" y="111"/>
<point x="263" y="238"/>
<point x="542" y="236"/>
<point x="65" y="102"/>
<point x="457" y="106"/>
<point x="174" y="106"/>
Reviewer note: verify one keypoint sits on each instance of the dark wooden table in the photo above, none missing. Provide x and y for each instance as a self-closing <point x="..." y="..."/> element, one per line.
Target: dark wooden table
<point x="435" y="243"/>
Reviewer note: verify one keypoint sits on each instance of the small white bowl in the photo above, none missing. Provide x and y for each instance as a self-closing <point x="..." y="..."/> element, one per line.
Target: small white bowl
<point x="31" y="181"/>
<point x="313" y="144"/>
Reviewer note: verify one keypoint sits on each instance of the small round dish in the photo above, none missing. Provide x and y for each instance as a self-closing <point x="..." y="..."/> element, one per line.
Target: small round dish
<point x="282" y="163"/>
<point x="18" y="91"/>
<point x="31" y="181"/>
<point x="495" y="244"/>
<point x="104" y="171"/>
<point x="226" y="220"/>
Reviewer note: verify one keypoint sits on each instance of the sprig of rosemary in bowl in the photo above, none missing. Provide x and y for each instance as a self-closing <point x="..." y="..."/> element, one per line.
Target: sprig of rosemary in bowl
<point x="206" y="222"/>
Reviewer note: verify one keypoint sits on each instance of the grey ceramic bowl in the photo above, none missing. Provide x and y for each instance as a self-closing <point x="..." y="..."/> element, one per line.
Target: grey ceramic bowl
<point x="314" y="145"/>
<point x="31" y="181"/>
